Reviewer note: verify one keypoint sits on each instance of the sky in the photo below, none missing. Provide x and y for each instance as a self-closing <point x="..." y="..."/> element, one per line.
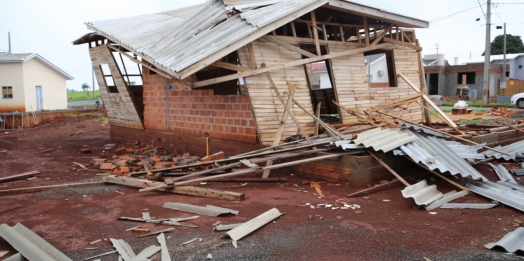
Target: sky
<point x="48" y="27"/>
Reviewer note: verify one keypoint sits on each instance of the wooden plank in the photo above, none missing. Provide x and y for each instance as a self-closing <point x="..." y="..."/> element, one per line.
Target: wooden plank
<point x="382" y="35"/>
<point x="429" y="101"/>
<point x="250" y="180"/>
<point x="19" y="176"/>
<point x="373" y="189"/>
<point x="251" y="56"/>
<point x="397" y="42"/>
<point x="50" y="187"/>
<point x="185" y="190"/>
<point x="290" y="64"/>
<point x="293" y="30"/>
<point x="315" y="31"/>
<point x="283" y="44"/>
<point x="230" y="66"/>
<point x="389" y="169"/>
<point x="317" y="124"/>
<point x="334" y="132"/>
<point x="366" y="30"/>
<point x="424" y="88"/>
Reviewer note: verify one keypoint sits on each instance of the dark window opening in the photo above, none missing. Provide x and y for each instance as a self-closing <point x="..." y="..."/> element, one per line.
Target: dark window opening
<point x="380" y="68"/>
<point x="7" y="92"/>
<point x="507" y="74"/>
<point x="520" y="66"/>
<point x="233" y="87"/>
<point x="433" y="84"/>
<point x="470" y="77"/>
<point x="108" y="78"/>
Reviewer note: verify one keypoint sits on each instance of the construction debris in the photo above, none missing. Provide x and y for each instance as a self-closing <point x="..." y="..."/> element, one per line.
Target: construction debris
<point x="20" y="176"/>
<point x="503" y="173"/>
<point x="29" y="244"/>
<point x="512" y="242"/>
<point x="226" y="227"/>
<point x="422" y="193"/>
<point x="158" y="232"/>
<point x="468" y="206"/>
<point x="254" y="224"/>
<point x="448" y="197"/>
<point x="165" y="253"/>
<point x="208" y="210"/>
<point x="191" y="241"/>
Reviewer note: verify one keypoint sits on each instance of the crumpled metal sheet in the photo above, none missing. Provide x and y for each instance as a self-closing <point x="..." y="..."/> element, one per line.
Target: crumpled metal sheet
<point x="515" y="150"/>
<point x="422" y="193"/>
<point x="511" y="242"/>
<point x="448" y="197"/>
<point x="29" y="244"/>
<point x="468" y="206"/>
<point x="384" y="140"/>
<point x="465" y="151"/>
<point x="506" y="193"/>
<point x="503" y="173"/>
<point x="435" y="155"/>
<point x="208" y="210"/>
<point x="418" y="128"/>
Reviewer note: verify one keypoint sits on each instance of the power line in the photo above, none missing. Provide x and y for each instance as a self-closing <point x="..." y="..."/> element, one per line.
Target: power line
<point x="445" y="9"/>
<point x="482" y="9"/>
<point x="454" y="14"/>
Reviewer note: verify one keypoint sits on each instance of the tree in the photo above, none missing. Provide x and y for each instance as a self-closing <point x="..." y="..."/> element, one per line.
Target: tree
<point x="85" y="86"/>
<point x="513" y="45"/>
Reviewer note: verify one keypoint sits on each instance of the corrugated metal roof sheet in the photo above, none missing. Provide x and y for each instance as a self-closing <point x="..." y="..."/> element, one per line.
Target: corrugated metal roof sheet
<point x="500" y="192"/>
<point x="384" y="140"/>
<point x="263" y="16"/>
<point x="418" y="128"/>
<point x="503" y="173"/>
<point x="514" y="150"/>
<point x="29" y="244"/>
<point x="465" y="151"/>
<point x="422" y="193"/>
<point x="434" y="154"/>
<point x="448" y="197"/>
<point x="185" y="12"/>
<point x="468" y="206"/>
<point x="511" y="242"/>
<point x="518" y="172"/>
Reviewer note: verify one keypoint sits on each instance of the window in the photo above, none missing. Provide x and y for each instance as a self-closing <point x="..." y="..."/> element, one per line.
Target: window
<point x="108" y="78"/>
<point x="468" y="76"/>
<point x="7" y="92"/>
<point x="520" y="66"/>
<point x="380" y="68"/>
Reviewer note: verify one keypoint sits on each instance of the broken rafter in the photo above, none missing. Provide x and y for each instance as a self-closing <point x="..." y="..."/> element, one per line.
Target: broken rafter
<point x="291" y="64"/>
<point x="139" y="62"/>
<point x="230" y="66"/>
<point x="382" y="35"/>
<point x="290" y="47"/>
<point x="326" y="127"/>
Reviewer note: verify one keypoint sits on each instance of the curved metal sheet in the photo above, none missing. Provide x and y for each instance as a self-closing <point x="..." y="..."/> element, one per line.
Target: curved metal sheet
<point x="515" y="150"/>
<point x="500" y="192"/>
<point x="422" y="193"/>
<point x="511" y="242"/>
<point x="384" y="140"/>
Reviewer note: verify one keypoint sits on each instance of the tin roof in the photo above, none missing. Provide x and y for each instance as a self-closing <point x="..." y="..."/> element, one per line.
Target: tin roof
<point x="515" y="150"/>
<point x="506" y="193"/>
<point x="384" y="140"/>
<point x="511" y="242"/>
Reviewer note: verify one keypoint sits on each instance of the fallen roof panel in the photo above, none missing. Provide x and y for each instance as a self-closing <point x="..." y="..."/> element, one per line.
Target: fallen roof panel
<point x="448" y="197"/>
<point x="384" y="140"/>
<point x="422" y="193"/>
<point x="418" y="128"/>
<point x="468" y="206"/>
<point x="511" y="242"/>
<point x="208" y="210"/>
<point x="499" y="192"/>
<point x="515" y="150"/>
<point x="503" y="173"/>
<point x="434" y="154"/>
<point x="254" y="224"/>
<point x="29" y="244"/>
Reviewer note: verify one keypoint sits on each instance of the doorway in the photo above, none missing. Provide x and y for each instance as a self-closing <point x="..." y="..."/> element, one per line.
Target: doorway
<point x="39" y="106"/>
<point x="433" y="84"/>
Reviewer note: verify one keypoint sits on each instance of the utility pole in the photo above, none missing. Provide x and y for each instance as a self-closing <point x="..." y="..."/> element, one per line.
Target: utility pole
<point x="487" y="55"/>
<point x="437" y="47"/>
<point x="93" y="79"/>
<point x="504" y="68"/>
<point x="9" y="39"/>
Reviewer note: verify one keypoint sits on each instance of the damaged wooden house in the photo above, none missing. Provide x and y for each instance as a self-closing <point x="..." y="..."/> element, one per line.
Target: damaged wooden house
<point x="225" y="71"/>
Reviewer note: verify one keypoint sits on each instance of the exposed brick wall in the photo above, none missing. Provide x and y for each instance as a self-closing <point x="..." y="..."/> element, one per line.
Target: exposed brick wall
<point x="197" y="112"/>
<point x="379" y="84"/>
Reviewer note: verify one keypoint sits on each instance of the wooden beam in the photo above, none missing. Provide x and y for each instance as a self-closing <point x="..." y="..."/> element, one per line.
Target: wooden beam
<point x="366" y="30"/>
<point x="382" y="35"/>
<point x="141" y="63"/>
<point x="290" y="47"/>
<point x="230" y="66"/>
<point x="250" y="180"/>
<point x="389" y="169"/>
<point x="373" y="189"/>
<point x="315" y="32"/>
<point x="397" y="42"/>
<point x="19" y="176"/>
<point x="252" y="56"/>
<point x="291" y="64"/>
<point x="342" y="37"/>
<point x="326" y="127"/>
<point x="185" y="190"/>
<point x="424" y="88"/>
<point x="429" y="101"/>
<point x="293" y="30"/>
<point x="317" y="124"/>
<point x="50" y="187"/>
<point x="280" y="131"/>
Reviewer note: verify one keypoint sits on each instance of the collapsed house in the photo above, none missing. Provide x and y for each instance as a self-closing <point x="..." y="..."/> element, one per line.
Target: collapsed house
<point x="227" y="70"/>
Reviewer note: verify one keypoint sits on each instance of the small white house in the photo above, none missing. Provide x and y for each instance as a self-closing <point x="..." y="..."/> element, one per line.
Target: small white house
<point x="29" y="82"/>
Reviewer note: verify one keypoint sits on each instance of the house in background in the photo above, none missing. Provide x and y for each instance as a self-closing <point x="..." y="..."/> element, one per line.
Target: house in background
<point x="515" y="62"/>
<point x="29" y="82"/>
<point x="377" y="67"/>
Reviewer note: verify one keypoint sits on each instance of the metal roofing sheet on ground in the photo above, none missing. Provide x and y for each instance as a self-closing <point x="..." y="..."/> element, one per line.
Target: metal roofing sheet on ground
<point x="384" y="140"/>
<point x="514" y="150"/>
<point x="501" y="192"/>
<point x="418" y="128"/>
<point x="434" y="154"/>
<point x="465" y="151"/>
<point x="503" y="173"/>
<point x="511" y="242"/>
<point x="422" y="193"/>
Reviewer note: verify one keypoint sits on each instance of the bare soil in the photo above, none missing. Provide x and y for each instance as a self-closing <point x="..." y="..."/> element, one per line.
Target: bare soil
<point x="386" y="227"/>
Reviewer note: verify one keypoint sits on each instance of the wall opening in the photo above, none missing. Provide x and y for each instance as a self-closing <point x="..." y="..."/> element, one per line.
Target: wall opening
<point x="233" y="87"/>
<point x="470" y="77"/>
<point x="132" y="75"/>
<point x="380" y="67"/>
<point x="108" y="78"/>
<point x="433" y="83"/>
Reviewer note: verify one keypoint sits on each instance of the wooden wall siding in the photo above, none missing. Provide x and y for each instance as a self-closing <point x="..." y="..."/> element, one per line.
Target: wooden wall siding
<point x="350" y="75"/>
<point x="120" y="108"/>
<point x="267" y="107"/>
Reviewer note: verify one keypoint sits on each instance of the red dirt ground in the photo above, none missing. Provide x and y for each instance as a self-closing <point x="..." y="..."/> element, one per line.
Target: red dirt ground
<point x="70" y="219"/>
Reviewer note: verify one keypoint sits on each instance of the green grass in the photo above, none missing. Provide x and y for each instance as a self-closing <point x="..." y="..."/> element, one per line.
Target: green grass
<point x="82" y="96"/>
<point x="474" y="121"/>
<point x="478" y="103"/>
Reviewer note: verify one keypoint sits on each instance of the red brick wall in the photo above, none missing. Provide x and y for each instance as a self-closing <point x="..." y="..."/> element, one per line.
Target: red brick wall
<point x="379" y="84"/>
<point x="197" y="112"/>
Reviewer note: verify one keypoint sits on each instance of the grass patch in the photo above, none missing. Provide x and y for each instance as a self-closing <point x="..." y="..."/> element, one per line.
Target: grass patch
<point x="478" y="103"/>
<point x="474" y="121"/>
<point x="96" y="116"/>
<point x="82" y="96"/>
